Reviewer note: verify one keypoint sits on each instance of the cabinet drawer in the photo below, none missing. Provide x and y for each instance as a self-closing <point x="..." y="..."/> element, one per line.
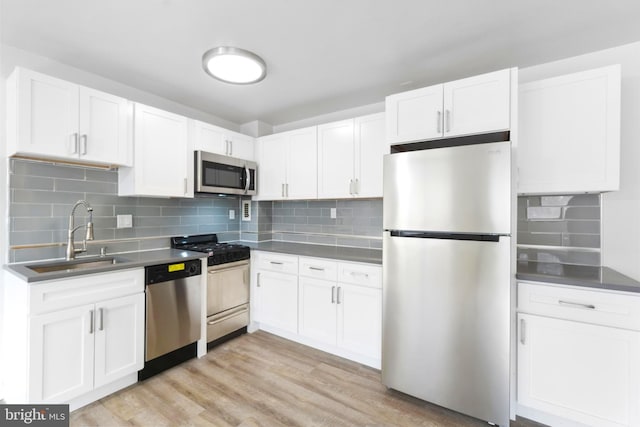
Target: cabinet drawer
<point x="590" y="306"/>
<point x="318" y="268"/>
<point x="277" y="262"/>
<point x="60" y="294"/>
<point x="360" y="274"/>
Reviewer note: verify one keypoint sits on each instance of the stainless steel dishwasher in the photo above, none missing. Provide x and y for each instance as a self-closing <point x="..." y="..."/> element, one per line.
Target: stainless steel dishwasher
<point x="173" y="320"/>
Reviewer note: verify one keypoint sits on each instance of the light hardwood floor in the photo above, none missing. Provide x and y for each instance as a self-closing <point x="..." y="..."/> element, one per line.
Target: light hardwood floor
<point x="262" y="380"/>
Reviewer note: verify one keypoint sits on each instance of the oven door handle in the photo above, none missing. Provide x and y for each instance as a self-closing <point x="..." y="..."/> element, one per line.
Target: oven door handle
<point x="222" y="270"/>
<point x="227" y="316"/>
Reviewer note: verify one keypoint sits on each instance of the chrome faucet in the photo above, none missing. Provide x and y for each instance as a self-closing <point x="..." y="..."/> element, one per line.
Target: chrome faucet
<point x="71" y="250"/>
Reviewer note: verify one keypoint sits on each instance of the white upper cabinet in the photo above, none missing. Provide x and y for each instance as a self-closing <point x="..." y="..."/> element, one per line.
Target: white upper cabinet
<point x="370" y="147"/>
<point x="287" y="165"/>
<point x="336" y="156"/>
<point x="478" y="104"/>
<point x="56" y="119"/>
<point x="163" y="164"/>
<point x="214" y="139"/>
<point x="569" y="133"/>
<point x="350" y="154"/>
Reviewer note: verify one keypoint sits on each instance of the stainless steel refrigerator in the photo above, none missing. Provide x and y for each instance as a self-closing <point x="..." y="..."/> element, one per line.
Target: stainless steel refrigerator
<point x="447" y="277"/>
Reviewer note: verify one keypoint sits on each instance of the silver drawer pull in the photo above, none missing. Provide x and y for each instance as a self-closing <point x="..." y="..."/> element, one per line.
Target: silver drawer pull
<point x="276" y="262"/>
<point x="358" y="273"/>
<point x="577" y="304"/>
<point x="226" y="316"/>
<point x="316" y="268"/>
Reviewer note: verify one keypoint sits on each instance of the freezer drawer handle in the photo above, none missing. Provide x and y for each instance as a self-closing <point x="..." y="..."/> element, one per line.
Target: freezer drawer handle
<point x="577" y="304"/>
<point x="446" y="236"/>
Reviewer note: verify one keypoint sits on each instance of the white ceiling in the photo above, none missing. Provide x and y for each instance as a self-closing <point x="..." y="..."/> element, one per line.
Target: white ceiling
<point x="322" y="55"/>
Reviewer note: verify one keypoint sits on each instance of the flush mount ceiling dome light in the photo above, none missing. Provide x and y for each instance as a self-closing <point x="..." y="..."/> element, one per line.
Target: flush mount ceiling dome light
<point x="233" y="65"/>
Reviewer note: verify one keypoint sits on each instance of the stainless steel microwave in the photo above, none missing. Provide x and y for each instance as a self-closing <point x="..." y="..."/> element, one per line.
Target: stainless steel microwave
<point x="218" y="174"/>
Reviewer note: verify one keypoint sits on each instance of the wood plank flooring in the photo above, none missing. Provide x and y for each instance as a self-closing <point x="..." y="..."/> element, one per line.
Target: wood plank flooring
<point x="262" y="380"/>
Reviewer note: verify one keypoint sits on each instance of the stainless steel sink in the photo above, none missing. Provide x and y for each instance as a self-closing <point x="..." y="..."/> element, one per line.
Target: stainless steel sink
<point x="76" y="264"/>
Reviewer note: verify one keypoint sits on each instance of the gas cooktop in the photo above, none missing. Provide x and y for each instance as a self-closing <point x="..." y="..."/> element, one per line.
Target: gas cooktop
<point x="219" y="253"/>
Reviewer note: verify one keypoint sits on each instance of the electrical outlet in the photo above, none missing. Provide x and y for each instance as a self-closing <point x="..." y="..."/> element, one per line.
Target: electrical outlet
<point x="333" y="213"/>
<point x="232" y="214"/>
<point x="124" y="221"/>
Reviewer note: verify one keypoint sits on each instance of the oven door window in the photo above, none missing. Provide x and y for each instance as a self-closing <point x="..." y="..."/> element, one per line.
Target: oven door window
<point x="221" y="175"/>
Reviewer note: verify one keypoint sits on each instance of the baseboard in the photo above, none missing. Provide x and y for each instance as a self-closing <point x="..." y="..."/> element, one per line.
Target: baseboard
<point x="103" y="391"/>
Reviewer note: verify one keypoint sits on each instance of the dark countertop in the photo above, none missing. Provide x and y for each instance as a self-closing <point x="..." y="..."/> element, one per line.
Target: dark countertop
<point x="371" y="256"/>
<point x="127" y="260"/>
<point x="576" y="275"/>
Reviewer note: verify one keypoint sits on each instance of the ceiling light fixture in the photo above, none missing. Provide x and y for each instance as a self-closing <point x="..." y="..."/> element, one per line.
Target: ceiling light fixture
<point x="233" y="65"/>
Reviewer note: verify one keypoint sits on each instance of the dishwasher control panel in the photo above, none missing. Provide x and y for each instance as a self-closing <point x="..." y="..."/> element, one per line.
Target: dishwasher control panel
<point x="172" y="271"/>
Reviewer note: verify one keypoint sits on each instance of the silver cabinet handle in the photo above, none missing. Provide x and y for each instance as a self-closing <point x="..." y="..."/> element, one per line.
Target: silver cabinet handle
<point x="90" y="321"/>
<point x="439" y="122"/>
<point x="333" y="295"/>
<point x="74" y="142"/>
<point x="316" y="268"/>
<point x="356" y="186"/>
<point x="83" y="144"/>
<point x="577" y="304"/>
<point x="282" y="189"/>
<point x="447" y="116"/>
<point x="522" y="333"/>
<point x="185" y="186"/>
<point x="351" y="187"/>
<point x="338" y="294"/>
<point x="258" y="281"/>
<point x="276" y="262"/>
<point x="226" y="147"/>
<point x="286" y="187"/>
<point x="101" y="318"/>
<point x="359" y="273"/>
<point x="231" y="148"/>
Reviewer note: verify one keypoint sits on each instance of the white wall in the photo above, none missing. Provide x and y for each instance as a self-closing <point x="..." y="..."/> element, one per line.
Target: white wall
<point x="620" y="209"/>
<point x="378" y="107"/>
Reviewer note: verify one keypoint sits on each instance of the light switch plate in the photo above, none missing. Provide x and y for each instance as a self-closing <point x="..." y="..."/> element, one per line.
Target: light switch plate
<point x="124" y="221"/>
<point x="232" y="214"/>
<point x="333" y="213"/>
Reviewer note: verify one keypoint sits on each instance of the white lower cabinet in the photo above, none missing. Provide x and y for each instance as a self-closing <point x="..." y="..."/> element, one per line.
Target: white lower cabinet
<point x="277" y="303"/>
<point x="330" y="305"/>
<point x="572" y="370"/>
<point x="72" y="337"/>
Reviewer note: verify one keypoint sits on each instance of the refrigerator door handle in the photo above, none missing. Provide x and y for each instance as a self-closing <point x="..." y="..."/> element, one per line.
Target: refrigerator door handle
<point x="447" y="236"/>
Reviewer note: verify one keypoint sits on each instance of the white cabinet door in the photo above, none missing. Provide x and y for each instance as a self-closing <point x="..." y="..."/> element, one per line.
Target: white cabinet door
<point x="415" y="115"/>
<point x="317" y="309"/>
<point x="360" y="320"/>
<point x="209" y="138"/>
<point x="161" y="149"/>
<point x="569" y="133"/>
<point x="272" y="164"/>
<point x="477" y="104"/>
<point x="277" y="300"/>
<point x="302" y="164"/>
<point x="241" y="146"/>
<point x="287" y="165"/>
<point x="119" y="338"/>
<point x="61" y="354"/>
<point x="103" y="128"/>
<point x="579" y="371"/>
<point x="336" y="160"/>
<point x="370" y="150"/>
<point x="47" y="116"/>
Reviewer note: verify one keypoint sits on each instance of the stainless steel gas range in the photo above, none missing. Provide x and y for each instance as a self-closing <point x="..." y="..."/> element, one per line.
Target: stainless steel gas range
<point x="227" y="284"/>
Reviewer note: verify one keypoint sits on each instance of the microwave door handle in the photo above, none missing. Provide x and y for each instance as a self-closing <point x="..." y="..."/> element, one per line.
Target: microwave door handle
<point x="247" y="181"/>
